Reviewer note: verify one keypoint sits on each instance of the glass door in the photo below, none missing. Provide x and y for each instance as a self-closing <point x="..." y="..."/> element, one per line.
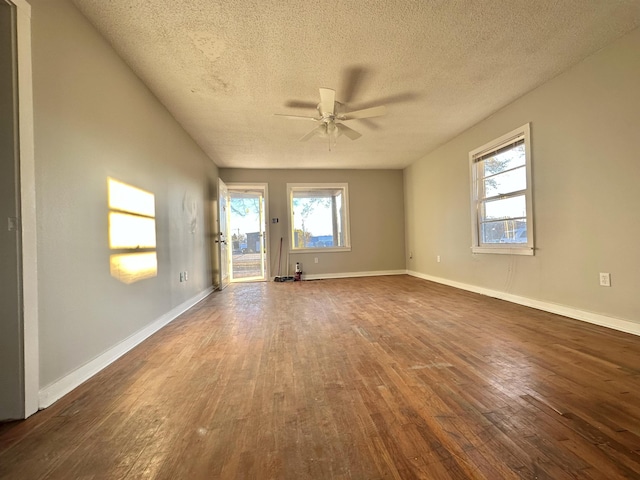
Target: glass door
<point x="247" y="230"/>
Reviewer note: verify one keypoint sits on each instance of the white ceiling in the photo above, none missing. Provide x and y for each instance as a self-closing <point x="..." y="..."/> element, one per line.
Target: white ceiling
<point x="224" y="67"/>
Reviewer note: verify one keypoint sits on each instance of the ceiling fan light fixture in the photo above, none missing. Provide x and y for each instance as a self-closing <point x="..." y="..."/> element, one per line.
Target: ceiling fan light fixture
<point x="330" y="119"/>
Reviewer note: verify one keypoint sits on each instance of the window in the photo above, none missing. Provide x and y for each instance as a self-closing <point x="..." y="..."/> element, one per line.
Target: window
<point x="132" y="232"/>
<point x="319" y="216"/>
<point x="501" y="200"/>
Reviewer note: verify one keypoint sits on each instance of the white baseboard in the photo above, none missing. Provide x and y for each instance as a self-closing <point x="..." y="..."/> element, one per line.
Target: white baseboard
<point x="56" y="390"/>
<point x="324" y="276"/>
<point x="590" y="317"/>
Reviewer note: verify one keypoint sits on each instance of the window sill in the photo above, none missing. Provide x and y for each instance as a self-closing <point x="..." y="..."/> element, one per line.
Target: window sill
<point x="504" y="250"/>
<point x="320" y="250"/>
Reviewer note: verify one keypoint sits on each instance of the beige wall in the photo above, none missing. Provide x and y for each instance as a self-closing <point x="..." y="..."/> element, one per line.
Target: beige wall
<point x="586" y="174"/>
<point x="94" y="119"/>
<point x="376" y="215"/>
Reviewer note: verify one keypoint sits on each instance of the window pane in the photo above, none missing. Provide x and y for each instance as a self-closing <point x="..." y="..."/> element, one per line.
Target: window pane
<point x="507" y="160"/>
<point x="511" y="181"/>
<point x="504" y="231"/>
<point x="317" y="219"/>
<point x="245" y="216"/>
<point x="319" y="193"/>
<point x="513" y="207"/>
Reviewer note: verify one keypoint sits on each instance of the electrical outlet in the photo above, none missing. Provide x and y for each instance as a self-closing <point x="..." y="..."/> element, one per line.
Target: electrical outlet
<point x="186" y="276"/>
<point x="315" y="260"/>
<point x="438" y="258"/>
<point x="410" y="255"/>
<point x="605" y="279"/>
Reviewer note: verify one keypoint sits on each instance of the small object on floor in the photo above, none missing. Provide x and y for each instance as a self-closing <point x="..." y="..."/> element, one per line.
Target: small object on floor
<point x="278" y="277"/>
<point x="283" y="278"/>
<point x="298" y="275"/>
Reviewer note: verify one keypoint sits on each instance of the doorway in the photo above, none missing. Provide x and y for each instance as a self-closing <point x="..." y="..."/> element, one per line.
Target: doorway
<point x="247" y="229"/>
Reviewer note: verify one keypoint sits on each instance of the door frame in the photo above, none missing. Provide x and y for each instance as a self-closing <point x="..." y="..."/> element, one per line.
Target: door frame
<point x="27" y="185"/>
<point x="265" y="188"/>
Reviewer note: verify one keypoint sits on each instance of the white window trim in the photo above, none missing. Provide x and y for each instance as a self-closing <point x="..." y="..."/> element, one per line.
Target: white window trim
<point x="509" y="248"/>
<point x="291" y="187"/>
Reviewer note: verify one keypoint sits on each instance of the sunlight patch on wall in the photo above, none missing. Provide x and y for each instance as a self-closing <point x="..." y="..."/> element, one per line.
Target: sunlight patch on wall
<point x="132" y="232"/>
<point x="131" y="199"/>
<point x="133" y="267"/>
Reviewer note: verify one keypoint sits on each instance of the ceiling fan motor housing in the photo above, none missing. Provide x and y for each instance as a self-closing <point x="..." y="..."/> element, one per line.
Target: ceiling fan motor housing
<point x="330" y="121"/>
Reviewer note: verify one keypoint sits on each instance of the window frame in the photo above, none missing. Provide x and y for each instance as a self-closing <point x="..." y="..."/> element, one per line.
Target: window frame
<point x="514" y="136"/>
<point x="346" y="227"/>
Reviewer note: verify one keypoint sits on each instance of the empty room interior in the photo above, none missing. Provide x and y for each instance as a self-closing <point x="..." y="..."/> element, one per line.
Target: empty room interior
<point x="381" y="239"/>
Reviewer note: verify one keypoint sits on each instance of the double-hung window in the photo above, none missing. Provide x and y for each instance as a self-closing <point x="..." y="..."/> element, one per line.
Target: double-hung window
<point x="319" y="216"/>
<point x="501" y="199"/>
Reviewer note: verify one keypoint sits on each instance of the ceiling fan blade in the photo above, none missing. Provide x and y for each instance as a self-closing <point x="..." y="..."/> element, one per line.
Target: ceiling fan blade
<point x="296" y="117"/>
<point x="316" y="131"/>
<point x="327" y="101"/>
<point x="366" y="113"/>
<point x="348" y="132"/>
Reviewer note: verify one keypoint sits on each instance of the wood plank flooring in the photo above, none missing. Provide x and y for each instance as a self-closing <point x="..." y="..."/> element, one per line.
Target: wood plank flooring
<point x="367" y="378"/>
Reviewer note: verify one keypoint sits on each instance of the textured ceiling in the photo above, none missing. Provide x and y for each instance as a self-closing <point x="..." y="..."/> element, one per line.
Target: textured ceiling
<point x="224" y="67"/>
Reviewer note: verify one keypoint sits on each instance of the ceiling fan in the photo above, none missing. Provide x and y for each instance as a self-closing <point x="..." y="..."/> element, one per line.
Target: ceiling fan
<point x="331" y="117"/>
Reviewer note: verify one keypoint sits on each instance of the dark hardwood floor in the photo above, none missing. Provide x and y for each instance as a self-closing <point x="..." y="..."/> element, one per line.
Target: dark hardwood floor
<point x="366" y="378"/>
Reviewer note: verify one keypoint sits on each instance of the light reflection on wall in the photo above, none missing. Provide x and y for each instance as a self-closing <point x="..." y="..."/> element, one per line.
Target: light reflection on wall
<point x="132" y="232"/>
<point x="133" y="267"/>
<point x="130" y="199"/>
